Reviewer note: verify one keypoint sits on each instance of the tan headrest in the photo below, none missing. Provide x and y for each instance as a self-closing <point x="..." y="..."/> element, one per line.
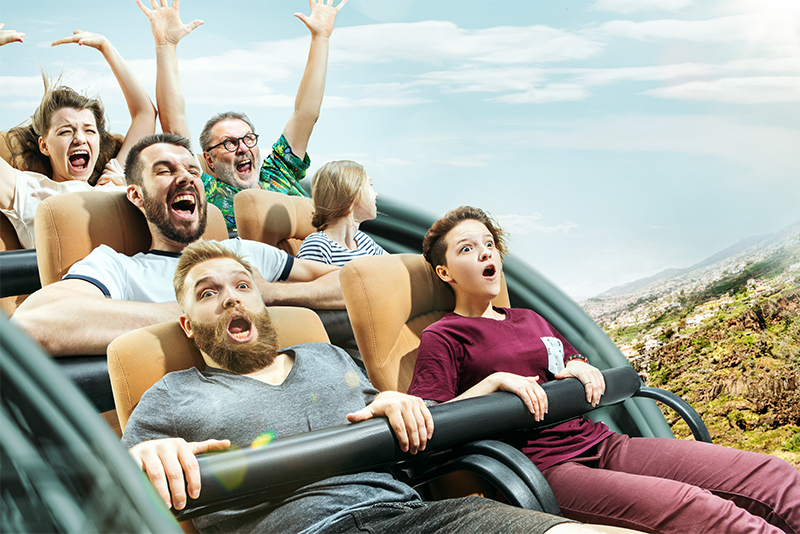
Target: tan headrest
<point x="390" y="300"/>
<point x="138" y="359"/>
<point x="69" y="226"/>
<point x="277" y="219"/>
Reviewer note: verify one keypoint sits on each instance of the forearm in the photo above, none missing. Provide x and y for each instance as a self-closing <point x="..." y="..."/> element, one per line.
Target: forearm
<point x="488" y="385"/>
<point x="309" y="96"/>
<point x="140" y="107"/>
<point x="77" y="326"/>
<point x="169" y="92"/>
<point x="324" y="293"/>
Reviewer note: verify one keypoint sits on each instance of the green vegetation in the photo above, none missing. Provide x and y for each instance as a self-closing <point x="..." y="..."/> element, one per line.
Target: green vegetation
<point x="740" y="366"/>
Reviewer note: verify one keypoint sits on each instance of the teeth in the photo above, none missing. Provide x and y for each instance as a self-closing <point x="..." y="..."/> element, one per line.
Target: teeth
<point x="241" y="335"/>
<point x="79" y="152"/>
<point x="184" y="197"/>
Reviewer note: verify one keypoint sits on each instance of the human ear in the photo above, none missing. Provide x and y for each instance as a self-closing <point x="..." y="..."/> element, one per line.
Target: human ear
<point x="186" y="325"/>
<point x="441" y="271"/>
<point x="43" y="146"/>
<point x="209" y="160"/>
<point x="135" y="196"/>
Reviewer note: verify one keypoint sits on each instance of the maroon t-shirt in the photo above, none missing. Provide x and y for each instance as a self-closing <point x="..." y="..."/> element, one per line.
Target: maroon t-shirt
<point x="456" y="352"/>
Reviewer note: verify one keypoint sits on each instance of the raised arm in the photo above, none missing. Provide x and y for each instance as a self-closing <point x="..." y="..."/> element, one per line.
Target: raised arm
<point x="10" y="36"/>
<point x="73" y="317"/>
<point x="168" y="30"/>
<point x="312" y="86"/>
<point x="143" y="113"/>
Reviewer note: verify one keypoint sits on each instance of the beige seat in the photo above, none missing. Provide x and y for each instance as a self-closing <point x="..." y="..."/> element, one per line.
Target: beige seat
<point x="390" y="300"/>
<point x="277" y="219"/>
<point x="68" y="227"/>
<point x="138" y="359"/>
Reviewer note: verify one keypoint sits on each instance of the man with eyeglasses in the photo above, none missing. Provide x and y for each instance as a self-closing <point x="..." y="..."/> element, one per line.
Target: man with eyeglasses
<point x="229" y="142"/>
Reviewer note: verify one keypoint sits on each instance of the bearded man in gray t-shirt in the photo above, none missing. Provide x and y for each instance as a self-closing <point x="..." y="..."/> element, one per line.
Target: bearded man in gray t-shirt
<point x="250" y="392"/>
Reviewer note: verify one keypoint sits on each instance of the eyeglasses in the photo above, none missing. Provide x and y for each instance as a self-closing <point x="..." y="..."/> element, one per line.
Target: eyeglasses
<point x="231" y="144"/>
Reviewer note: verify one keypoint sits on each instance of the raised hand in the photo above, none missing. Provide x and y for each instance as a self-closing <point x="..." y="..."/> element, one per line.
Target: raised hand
<point x="94" y="40"/>
<point x="165" y="21"/>
<point x="113" y="174"/>
<point x="10" y="36"/>
<point x="172" y="466"/>
<point x="589" y="375"/>
<point x="408" y="416"/>
<point x="323" y="15"/>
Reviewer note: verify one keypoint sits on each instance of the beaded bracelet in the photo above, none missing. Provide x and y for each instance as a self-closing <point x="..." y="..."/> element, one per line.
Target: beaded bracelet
<point x="580" y="357"/>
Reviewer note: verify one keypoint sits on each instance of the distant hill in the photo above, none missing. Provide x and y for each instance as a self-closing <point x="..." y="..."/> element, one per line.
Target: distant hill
<point x="730" y="260"/>
<point x="724" y="335"/>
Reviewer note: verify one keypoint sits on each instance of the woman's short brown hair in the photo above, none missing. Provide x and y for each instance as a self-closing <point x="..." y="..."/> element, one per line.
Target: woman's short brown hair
<point x="434" y="245"/>
<point x="334" y="189"/>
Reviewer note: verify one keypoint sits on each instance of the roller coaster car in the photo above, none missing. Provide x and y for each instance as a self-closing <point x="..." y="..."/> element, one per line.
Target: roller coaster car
<point x="63" y="469"/>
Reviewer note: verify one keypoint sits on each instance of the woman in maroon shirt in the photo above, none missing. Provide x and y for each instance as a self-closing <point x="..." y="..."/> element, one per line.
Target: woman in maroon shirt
<point x="598" y="476"/>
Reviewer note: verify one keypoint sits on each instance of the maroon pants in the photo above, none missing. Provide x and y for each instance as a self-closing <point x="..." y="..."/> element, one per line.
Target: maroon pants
<point x="677" y="486"/>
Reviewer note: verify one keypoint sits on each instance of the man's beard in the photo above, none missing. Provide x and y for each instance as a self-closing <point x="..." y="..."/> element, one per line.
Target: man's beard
<point x="156" y="212"/>
<point x="239" y="358"/>
<point x="226" y="173"/>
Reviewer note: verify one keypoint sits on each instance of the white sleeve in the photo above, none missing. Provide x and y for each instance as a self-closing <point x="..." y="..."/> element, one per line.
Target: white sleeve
<point x="30" y="190"/>
<point x="102" y="269"/>
<point x="273" y="264"/>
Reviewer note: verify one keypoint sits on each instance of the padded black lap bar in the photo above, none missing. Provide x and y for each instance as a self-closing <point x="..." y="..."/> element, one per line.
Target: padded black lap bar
<point x="19" y="272"/>
<point x="371" y="445"/>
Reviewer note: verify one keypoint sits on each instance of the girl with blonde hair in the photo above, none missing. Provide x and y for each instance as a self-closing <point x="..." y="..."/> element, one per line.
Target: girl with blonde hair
<point x="343" y="198"/>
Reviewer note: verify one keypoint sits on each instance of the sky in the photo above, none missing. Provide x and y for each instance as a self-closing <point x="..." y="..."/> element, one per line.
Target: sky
<point x="611" y="138"/>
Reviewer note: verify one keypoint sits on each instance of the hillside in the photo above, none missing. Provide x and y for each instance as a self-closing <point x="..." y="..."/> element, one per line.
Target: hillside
<point x="725" y="336"/>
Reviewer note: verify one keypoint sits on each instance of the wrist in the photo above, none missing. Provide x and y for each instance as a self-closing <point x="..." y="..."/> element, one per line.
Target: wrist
<point x="577" y="357"/>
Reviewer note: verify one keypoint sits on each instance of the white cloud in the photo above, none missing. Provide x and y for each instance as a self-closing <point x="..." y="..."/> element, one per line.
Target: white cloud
<point x="474" y="160"/>
<point x="768" y="153"/>
<point x="630" y="6"/>
<point x="554" y="92"/>
<point x="431" y="42"/>
<point x="532" y="223"/>
<point x="752" y="90"/>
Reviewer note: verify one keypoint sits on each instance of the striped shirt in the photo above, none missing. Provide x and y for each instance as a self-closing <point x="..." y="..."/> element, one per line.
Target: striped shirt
<point x="320" y="247"/>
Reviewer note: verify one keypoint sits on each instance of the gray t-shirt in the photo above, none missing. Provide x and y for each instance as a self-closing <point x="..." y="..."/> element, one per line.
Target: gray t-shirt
<point x="321" y="389"/>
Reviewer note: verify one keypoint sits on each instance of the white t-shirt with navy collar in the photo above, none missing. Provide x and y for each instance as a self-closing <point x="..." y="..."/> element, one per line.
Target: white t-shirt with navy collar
<point x="147" y="276"/>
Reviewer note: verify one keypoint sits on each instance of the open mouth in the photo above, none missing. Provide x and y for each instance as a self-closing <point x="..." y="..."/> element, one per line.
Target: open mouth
<point x="79" y="160"/>
<point x="245" y="166"/>
<point x="240" y="328"/>
<point x="184" y="204"/>
<point x="489" y="271"/>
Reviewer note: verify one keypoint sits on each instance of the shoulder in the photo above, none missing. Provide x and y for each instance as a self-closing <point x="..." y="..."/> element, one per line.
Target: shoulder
<point x="323" y="355"/>
<point x="316" y="246"/>
<point x="35" y="181"/>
